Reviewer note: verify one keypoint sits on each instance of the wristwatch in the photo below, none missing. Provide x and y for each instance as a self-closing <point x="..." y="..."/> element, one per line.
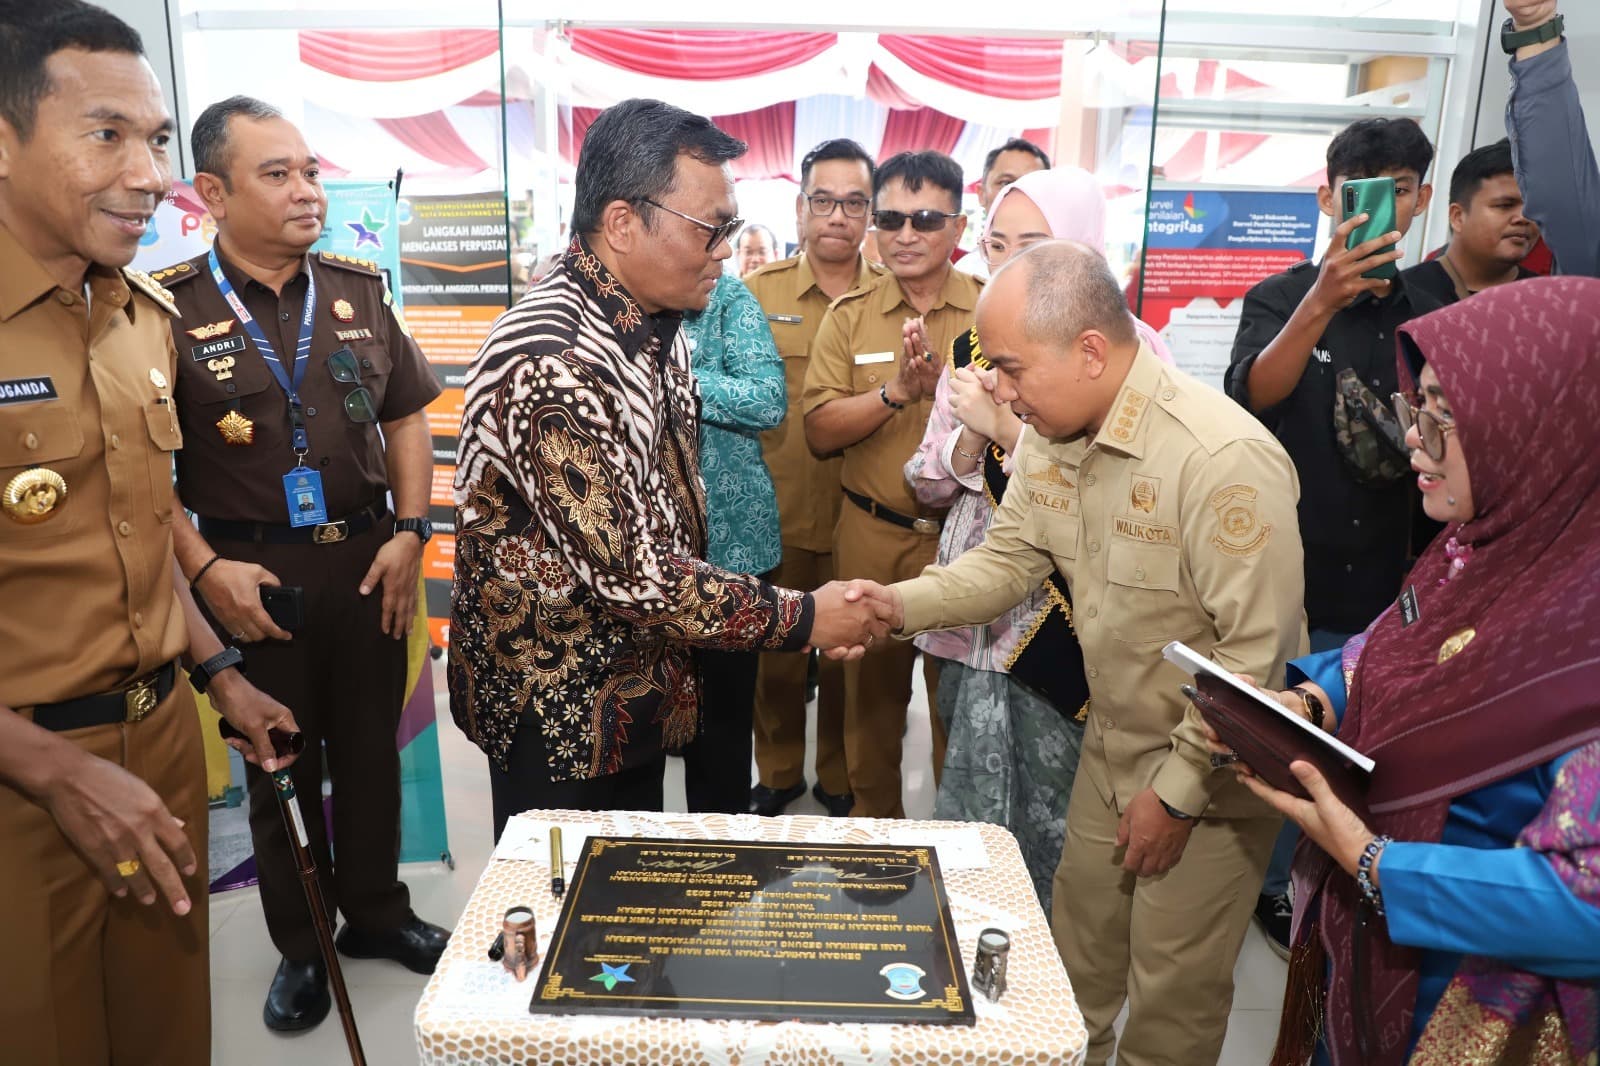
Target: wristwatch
<point x="1512" y="38"/>
<point x="206" y="672"/>
<point x="422" y="527"/>
<point x="1173" y="812"/>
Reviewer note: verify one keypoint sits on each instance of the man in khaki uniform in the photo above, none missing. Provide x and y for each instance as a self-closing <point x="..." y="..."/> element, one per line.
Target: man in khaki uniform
<point x="869" y="391"/>
<point x="1171" y="512"/>
<point x="102" y="776"/>
<point x="831" y="217"/>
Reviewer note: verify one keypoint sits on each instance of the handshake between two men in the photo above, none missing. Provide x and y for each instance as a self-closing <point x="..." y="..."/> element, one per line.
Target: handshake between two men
<point x="850" y="615"/>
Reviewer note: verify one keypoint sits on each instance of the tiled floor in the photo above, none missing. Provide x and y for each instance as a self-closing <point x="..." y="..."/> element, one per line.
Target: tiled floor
<point x="384" y="995"/>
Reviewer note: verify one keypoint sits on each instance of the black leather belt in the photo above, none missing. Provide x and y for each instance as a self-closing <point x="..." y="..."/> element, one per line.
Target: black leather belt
<point x="264" y="533"/>
<point x="927" y="526"/>
<point x="128" y="705"/>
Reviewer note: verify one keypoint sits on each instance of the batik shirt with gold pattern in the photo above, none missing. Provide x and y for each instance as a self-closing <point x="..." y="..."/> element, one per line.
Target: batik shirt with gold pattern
<point x="580" y="585"/>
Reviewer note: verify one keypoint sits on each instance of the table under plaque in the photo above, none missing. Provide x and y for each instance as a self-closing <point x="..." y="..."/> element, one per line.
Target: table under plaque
<point x="473" y="1012"/>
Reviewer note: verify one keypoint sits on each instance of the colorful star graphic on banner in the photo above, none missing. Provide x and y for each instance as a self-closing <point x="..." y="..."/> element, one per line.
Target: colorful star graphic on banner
<point x="611" y="976"/>
<point x="367" y="229"/>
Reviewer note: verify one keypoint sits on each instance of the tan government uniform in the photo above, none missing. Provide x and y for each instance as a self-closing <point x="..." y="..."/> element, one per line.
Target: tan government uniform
<point x="858" y="349"/>
<point x="89" y="608"/>
<point x="1176" y="522"/>
<point x="808" y="511"/>
<point x="343" y="679"/>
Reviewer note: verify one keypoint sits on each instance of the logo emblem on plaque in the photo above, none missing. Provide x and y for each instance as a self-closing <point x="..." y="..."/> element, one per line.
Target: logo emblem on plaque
<point x="611" y="976"/>
<point x="905" y="980"/>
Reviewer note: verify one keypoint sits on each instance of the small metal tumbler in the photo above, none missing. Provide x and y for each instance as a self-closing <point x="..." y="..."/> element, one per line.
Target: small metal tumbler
<point x="989" y="968"/>
<point x="519" y="942"/>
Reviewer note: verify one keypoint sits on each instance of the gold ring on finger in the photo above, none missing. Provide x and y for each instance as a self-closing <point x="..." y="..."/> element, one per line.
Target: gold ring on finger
<point x="128" y="867"/>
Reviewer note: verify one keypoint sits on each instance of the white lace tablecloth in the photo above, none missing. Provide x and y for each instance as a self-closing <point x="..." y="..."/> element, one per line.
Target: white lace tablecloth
<point x="474" y="1014"/>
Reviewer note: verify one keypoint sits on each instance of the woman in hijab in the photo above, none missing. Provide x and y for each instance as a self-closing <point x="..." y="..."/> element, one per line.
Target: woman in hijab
<point x="1012" y="694"/>
<point x="1458" y="919"/>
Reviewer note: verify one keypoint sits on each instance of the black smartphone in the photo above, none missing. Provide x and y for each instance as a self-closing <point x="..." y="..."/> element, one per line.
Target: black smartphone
<point x="285" y="604"/>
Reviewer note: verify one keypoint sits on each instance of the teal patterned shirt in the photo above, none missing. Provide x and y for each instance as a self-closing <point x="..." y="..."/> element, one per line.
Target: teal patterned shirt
<point x="740" y="373"/>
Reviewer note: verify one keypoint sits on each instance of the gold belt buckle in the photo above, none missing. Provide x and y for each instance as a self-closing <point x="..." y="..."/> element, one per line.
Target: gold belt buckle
<point x="330" y="532"/>
<point x="140" y="699"/>
<point x="928" y="526"/>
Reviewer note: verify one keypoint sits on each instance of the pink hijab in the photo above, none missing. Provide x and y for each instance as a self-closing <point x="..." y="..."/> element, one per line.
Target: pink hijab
<point x="1072" y="202"/>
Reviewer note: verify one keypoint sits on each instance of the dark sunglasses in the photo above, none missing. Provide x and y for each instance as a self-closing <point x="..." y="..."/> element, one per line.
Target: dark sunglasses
<point x="1431" y="429"/>
<point x="925" y="221"/>
<point x="721" y="233"/>
<point x="822" y="206"/>
<point x="346" y="369"/>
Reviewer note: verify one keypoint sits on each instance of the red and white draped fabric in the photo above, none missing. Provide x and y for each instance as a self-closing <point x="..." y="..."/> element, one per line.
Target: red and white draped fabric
<point x="429" y="101"/>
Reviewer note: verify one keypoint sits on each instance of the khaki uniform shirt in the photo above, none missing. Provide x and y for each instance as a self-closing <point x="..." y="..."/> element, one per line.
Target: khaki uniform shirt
<point x="808" y="486"/>
<point x="858" y="349"/>
<point x="86" y="397"/>
<point x="1176" y="522"/>
<point x="221" y="374"/>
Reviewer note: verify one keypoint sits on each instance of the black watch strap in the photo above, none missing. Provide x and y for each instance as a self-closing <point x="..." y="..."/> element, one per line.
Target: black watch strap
<point x="1512" y="38"/>
<point x="1173" y="812"/>
<point x="202" y="675"/>
<point x="422" y="527"/>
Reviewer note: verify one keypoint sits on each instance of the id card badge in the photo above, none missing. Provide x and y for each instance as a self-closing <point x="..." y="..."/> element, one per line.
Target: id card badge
<point x="302" y="488"/>
<point x="1409" y="610"/>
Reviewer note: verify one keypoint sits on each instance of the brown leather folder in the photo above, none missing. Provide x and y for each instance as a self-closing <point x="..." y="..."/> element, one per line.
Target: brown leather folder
<point x="1268" y="741"/>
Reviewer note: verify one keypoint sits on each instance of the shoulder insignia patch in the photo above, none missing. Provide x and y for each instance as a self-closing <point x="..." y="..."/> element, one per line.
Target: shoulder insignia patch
<point x="138" y="279"/>
<point x="174" y="274"/>
<point x="349" y="262"/>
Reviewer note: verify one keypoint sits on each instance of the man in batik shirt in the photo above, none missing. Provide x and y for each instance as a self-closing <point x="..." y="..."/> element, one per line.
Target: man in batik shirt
<point x="580" y="586"/>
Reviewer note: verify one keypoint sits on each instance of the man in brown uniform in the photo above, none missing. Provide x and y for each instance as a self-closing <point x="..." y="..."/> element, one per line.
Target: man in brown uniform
<point x="1171" y="513"/>
<point x="102" y="778"/>
<point x="288" y="365"/>
<point x="831" y="217"/>
<point x="869" y="391"/>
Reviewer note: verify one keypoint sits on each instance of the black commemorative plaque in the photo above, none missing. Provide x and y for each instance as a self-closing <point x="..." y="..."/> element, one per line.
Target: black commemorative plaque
<point x="751" y="929"/>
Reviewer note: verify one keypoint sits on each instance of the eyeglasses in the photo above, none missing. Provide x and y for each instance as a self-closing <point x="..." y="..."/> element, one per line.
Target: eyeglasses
<point x="925" y="221"/>
<point x="346" y="370"/>
<point x="822" y="206"/>
<point x="1431" y="429"/>
<point x="718" y="233"/>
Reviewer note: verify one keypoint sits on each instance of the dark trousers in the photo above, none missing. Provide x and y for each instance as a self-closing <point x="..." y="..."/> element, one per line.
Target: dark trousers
<point x="88" y="978"/>
<point x="345" y="682"/>
<point x="716" y="764"/>
<point x="526" y="786"/>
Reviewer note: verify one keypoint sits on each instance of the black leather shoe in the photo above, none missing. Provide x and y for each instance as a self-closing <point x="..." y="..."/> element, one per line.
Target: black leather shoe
<point x="836" y="806"/>
<point x="414" y="944"/>
<point x="298" y="998"/>
<point x="769" y="802"/>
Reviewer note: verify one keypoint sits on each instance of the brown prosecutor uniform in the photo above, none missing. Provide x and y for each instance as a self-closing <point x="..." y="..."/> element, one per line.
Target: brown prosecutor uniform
<point x="857" y="350"/>
<point x="89" y="608"/>
<point x="343" y="679"/>
<point x="808" y="511"/>
<point x="1175" y="522"/>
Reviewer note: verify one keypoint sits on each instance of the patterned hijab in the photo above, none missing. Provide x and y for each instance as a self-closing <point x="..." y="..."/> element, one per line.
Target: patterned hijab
<point x="1520" y="366"/>
<point x="1073" y="203"/>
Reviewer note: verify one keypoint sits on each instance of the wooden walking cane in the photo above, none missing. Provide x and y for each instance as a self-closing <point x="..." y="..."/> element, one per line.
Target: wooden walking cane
<point x="306" y="865"/>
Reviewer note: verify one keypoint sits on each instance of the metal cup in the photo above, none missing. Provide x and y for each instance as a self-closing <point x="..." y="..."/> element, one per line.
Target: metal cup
<point x="518" y="942"/>
<point x="989" y="968"/>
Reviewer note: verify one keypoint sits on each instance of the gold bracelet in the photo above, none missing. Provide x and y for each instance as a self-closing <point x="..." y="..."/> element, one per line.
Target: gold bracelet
<point x="963" y="452"/>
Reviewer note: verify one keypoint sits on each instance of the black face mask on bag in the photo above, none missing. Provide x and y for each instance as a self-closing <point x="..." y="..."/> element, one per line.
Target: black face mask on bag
<point x="1371" y="439"/>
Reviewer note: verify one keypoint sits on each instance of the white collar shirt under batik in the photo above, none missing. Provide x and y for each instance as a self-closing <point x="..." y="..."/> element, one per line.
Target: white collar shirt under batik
<point x="580" y="584"/>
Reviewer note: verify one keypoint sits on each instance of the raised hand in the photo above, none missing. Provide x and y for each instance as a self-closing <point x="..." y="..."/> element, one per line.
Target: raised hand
<point x="920" y="366"/>
<point x="843" y="627"/>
